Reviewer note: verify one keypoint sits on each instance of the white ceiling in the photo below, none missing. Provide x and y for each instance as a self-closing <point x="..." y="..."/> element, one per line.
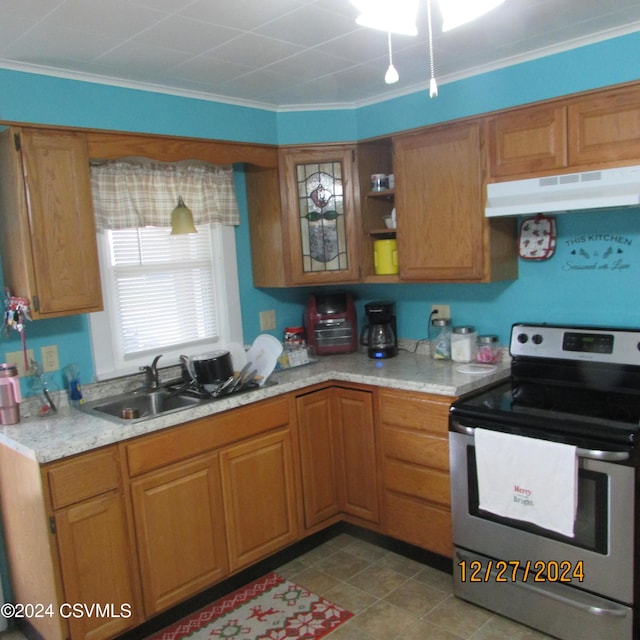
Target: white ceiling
<point x="283" y="54"/>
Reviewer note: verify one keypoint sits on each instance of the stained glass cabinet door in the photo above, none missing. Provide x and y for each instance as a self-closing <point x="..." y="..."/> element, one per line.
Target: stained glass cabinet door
<point x="323" y="225"/>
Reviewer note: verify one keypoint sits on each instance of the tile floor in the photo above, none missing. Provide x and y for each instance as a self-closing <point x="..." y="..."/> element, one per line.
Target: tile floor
<point x="391" y="596"/>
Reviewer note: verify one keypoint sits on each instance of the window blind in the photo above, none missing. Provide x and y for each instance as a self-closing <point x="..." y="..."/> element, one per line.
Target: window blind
<point x="164" y="288"/>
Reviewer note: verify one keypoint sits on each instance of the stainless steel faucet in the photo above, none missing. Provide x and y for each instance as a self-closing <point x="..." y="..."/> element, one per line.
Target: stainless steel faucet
<point x="152" y="379"/>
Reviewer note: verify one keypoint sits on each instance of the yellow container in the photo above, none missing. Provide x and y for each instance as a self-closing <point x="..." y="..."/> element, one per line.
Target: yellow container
<point x="385" y="257"/>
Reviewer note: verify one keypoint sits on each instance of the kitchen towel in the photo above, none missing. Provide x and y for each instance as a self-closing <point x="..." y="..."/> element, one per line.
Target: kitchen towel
<point x="528" y="479"/>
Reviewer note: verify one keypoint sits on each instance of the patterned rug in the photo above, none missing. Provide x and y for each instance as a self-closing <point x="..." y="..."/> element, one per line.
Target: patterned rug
<point x="271" y="608"/>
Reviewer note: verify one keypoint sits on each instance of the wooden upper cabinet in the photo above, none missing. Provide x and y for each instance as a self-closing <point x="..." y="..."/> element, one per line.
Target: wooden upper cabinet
<point x="321" y="220"/>
<point x="48" y="242"/>
<point x="442" y="233"/>
<point x="604" y="128"/>
<point x="527" y="141"/>
<point x="593" y="131"/>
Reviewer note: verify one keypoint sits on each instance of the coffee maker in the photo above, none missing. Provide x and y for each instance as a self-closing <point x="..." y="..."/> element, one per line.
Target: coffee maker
<point x="379" y="335"/>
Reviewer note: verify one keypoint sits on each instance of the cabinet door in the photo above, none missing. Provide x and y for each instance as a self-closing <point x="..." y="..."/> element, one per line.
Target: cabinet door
<point x="258" y="486"/>
<point x="180" y="531"/>
<point x="95" y="557"/>
<point x="528" y="141"/>
<point x="62" y="228"/>
<point x="318" y="456"/>
<point x="358" y="485"/>
<point x="605" y="128"/>
<point x="322" y="222"/>
<point x="440" y="204"/>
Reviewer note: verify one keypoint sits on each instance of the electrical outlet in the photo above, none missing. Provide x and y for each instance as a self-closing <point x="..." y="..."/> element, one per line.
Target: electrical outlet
<point x="16" y="358"/>
<point x="267" y="320"/>
<point x="49" y="357"/>
<point x="440" y="311"/>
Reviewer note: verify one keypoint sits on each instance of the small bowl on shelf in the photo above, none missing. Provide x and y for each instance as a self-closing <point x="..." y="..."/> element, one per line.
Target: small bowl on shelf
<point x="390" y="222"/>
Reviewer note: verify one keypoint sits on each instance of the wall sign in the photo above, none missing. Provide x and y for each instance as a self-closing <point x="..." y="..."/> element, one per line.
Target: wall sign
<point x="598" y="252"/>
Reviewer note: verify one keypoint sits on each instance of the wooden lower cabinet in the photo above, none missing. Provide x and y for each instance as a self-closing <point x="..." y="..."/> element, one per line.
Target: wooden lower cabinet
<point x="258" y="486"/>
<point x="358" y="481"/>
<point x="209" y="497"/>
<point x="180" y="531"/>
<point x="337" y="453"/>
<point x="319" y="457"/>
<point x="96" y="569"/>
<point x="69" y="544"/>
<point x="141" y="526"/>
<point x="414" y="431"/>
<point x="94" y="543"/>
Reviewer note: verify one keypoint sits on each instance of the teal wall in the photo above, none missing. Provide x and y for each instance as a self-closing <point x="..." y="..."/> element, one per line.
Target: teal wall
<point x="591" y="278"/>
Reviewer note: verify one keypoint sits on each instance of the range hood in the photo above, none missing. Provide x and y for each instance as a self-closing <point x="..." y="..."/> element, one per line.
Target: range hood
<point x="607" y="188"/>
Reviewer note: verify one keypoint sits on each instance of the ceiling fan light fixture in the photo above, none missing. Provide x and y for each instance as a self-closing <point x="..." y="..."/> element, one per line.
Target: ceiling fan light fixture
<point x="458" y="12"/>
<point x="398" y="16"/>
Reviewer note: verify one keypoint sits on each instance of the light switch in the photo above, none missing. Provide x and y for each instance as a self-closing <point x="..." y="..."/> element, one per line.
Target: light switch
<point x="267" y="320"/>
<point x="16" y="358"/>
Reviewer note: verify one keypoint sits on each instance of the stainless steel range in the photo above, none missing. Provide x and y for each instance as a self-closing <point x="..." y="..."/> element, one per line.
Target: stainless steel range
<point x="579" y="387"/>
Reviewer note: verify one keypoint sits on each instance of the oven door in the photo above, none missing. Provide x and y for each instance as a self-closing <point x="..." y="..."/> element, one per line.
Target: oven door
<point x="599" y="558"/>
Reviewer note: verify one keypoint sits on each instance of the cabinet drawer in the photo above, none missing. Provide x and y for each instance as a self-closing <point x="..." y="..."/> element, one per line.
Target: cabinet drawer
<point x="414" y="411"/>
<point x="192" y="439"/>
<point x="416" y="448"/>
<point x="418" y="523"/>
<point x="83" y="477"/>
<point x="419" y="482"/>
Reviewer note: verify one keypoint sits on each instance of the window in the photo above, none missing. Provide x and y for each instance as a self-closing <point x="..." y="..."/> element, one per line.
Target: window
<point x="165" y="295"/>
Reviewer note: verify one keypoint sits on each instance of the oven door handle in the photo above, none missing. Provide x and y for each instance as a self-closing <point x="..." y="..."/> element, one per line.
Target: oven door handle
<point x="591" y="454"/>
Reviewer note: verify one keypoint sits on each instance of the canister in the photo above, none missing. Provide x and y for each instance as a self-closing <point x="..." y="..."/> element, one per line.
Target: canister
<point x="488" y="349"/>
<point x="464" y="344"/>
<point x="385" y="256"/>
<point x="441" y="339"/>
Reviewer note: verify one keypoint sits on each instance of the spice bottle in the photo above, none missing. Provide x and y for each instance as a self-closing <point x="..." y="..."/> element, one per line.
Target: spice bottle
<point x="488" y="349"/>
<point x="441" y="341"/>
<point x="464" y="344"/>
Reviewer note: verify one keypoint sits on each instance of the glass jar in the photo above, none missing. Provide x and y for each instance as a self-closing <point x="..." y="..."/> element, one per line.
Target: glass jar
<point x="295" y="350"/>
<point x="464" y="344"/>
<point x="294" y="338"/>
<point x="441" y="341"/>
<point x="488" y="349"/>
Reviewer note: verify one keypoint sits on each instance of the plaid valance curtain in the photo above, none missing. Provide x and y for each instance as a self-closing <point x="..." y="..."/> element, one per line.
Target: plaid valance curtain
<point x="132" y="193"/>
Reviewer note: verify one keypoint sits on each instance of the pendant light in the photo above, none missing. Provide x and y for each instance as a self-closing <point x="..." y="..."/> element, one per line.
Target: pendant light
<point x="182" y="219"/>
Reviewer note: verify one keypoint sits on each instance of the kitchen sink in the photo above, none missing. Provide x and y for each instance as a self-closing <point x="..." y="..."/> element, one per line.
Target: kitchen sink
<point x="137" y="406"/>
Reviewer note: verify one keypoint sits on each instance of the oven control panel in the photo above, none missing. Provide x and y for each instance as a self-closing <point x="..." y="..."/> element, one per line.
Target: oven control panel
<point x="595" y="344"/>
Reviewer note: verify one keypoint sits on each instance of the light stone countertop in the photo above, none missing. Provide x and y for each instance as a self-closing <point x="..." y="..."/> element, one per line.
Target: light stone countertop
<point x="70" y="431"/>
